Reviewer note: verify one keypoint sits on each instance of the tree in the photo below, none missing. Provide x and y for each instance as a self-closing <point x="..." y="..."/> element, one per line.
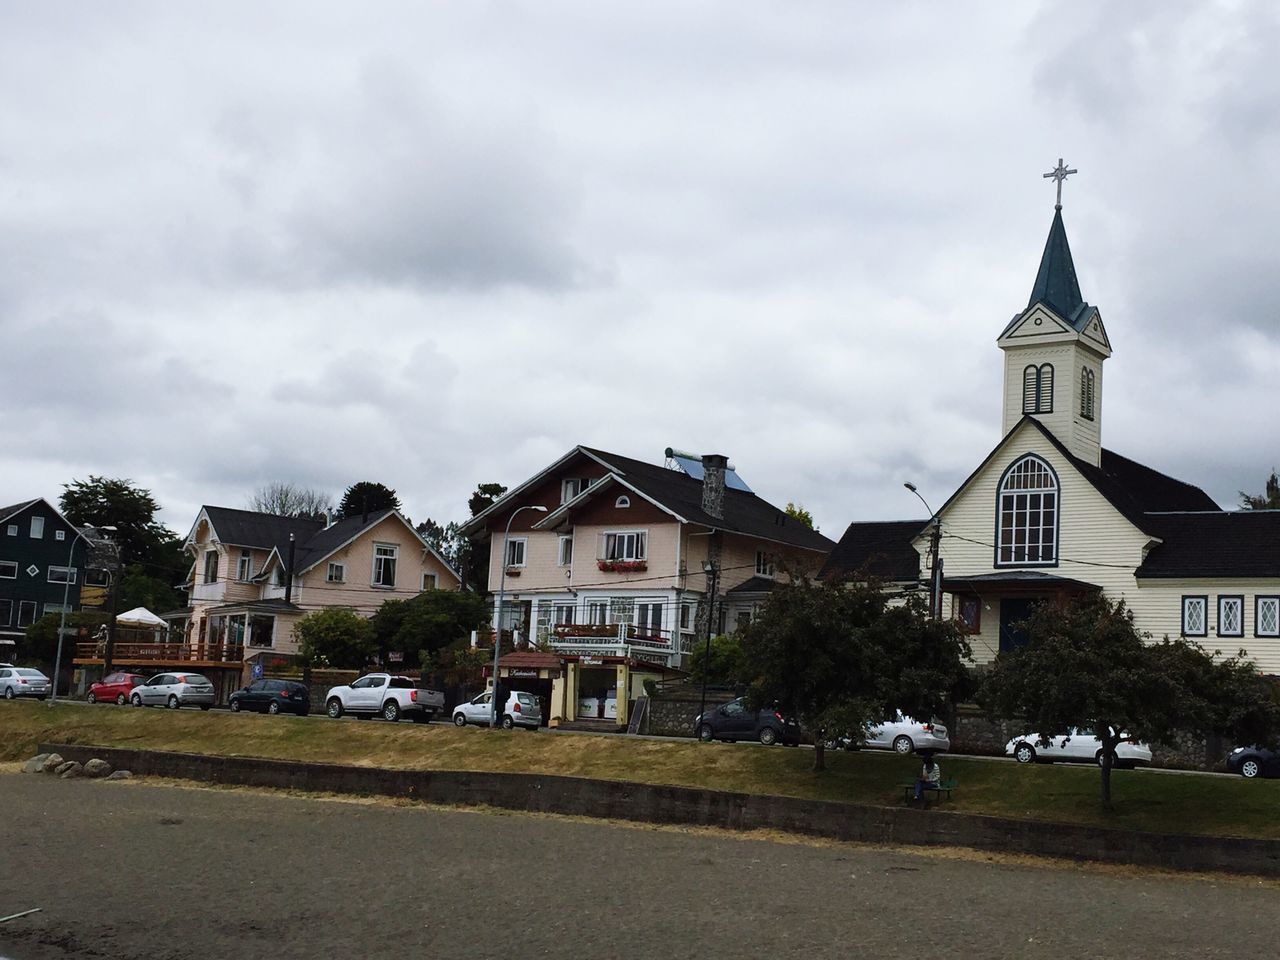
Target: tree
<point x="486" y="495"/>
<point x="40" y="645"/>
<point x="367" y="496"/>
<point x="286" y="499"/>
<point x="797" y="512"/>
<point x="1087" y="666"/>
<point x="445" y="540"/>
<point x="727" y="663"/>
<point x="1270" y="499"/>
<point x="422" y="625"/>
<point x="335" y="637"/>
<point x="839" y="658"/>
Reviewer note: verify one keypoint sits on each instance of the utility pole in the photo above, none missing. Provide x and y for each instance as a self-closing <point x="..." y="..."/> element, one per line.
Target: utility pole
<point x="116" y="576"/>
<point x="935" y="549"/>
<point x="497" y="612"/>
<point x="712" y="570"/>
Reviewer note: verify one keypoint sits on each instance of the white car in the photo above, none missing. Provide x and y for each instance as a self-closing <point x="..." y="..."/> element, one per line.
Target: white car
<point x="522" y="710"/>
<point x="174" y="690"/>
<point x="903" y="735"/>
<point x="22" y="682"/>
<point x="1078" y="745"/>
<point x="386" y="695"/>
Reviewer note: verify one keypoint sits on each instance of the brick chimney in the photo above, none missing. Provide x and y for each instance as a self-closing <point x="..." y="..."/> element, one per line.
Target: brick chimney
<point x="713" y="468"/>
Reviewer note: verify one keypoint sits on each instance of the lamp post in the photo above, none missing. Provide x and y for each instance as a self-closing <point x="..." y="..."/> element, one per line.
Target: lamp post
<point x="935" y="547"/>
<point x="712" y="570"/>
<point x="66" y="602"/>
<point x="497" y="612"/>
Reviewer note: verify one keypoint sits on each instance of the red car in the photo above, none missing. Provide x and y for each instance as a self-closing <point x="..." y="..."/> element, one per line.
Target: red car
<point x="114" y="686"/>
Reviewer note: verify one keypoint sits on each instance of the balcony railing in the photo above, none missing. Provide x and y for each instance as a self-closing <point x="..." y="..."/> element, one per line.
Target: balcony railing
<point x="172" y="652"/>
<point x="611" y="635"/>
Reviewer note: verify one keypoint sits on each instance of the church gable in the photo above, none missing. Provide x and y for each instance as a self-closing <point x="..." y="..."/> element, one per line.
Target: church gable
<point x="1036" y="323"/>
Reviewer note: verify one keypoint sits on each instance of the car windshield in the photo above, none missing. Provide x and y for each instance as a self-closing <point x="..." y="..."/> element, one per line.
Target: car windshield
<point x="23" y="672"/>
<point x="195" y="680"/>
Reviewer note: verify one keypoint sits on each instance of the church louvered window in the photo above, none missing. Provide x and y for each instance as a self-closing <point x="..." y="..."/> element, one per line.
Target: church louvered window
<point x="1086" y="393"/>
<point x="1028" y="515"/>
<point x="1037" y="389"/>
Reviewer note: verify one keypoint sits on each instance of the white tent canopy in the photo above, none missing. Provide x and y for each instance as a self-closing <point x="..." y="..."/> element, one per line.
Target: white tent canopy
<point x="139" y="617"/>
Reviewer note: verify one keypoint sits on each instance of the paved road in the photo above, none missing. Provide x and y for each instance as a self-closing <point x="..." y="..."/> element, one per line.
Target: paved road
<point x="137" y="870"/>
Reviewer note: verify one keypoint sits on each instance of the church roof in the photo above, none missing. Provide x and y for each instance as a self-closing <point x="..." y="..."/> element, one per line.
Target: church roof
<point x="1056" y="284"/>
<point x="1222" y="543"/>
<point x="881" y="548"/>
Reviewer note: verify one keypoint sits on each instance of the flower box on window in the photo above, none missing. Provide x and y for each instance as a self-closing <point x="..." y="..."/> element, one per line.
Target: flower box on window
<point x="623" y="566"/>
<point x="513" y="571"/>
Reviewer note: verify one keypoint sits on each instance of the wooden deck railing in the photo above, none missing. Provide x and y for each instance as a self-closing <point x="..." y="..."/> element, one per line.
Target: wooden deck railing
<point x="181" y="652"/>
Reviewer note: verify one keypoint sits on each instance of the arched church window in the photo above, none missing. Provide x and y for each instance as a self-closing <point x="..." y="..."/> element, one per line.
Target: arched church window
<point x="1045" y="403"/>
<point x="1027" y="514"/>
<point x="1037" y="389"/>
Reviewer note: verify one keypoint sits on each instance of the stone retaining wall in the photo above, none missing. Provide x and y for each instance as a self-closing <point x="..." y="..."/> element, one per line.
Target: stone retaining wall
<point x="671" y="713"/>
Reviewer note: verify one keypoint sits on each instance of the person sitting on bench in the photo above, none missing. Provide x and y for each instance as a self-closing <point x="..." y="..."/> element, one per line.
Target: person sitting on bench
<point x="930" y="776"/>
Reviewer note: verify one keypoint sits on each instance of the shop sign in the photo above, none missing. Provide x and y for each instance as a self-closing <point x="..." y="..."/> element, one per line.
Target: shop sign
<point x="396" y="656"/>
<point x="591" y="661"/>
<point x="522" y="672"/>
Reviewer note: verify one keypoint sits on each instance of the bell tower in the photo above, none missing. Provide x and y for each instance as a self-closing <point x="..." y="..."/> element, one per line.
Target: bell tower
<point x="1054" y="350"/>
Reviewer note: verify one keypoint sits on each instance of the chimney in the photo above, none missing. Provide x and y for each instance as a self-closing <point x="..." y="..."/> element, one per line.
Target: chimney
<point x="713" y="468"/>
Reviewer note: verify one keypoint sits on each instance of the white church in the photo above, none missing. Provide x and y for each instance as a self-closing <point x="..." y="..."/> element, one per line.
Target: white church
<point x="1052" y="513"/>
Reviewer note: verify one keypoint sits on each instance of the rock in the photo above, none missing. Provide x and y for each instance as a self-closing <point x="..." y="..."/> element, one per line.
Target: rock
<point x="35" y="764"/>
<point x="70" y="769"/>
<point x="119" y="775"/>
<point x="51" y="763"/>
<point x="97" y="768"/>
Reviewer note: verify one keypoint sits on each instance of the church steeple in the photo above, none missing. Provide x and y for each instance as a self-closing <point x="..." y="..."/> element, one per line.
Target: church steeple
<point x="1056" y="284"/>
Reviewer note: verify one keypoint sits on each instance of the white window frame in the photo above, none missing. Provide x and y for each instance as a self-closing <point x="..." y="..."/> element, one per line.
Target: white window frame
<point x="4" y="564"/>
<point x="277" y="575"/>
<point x="1259" y="602"/>
<point x="60" y="535"/>
<point x="564" y="614"/>
<point x="26" y="605"/>
<point x="336" y="573"/>
<point x="1017" y="504"/>
<point x="564" y="551"/>
<point x="210" y="576"/>
<point x="244" y="565"/>
<point x="1225" y="603"/>
<point x="517" y="552"/>
<point x="377" y="576"/>
<point x="1190" y="602"/>
<point x="429" y="582"/>
<point x="686" y="616"/>
<point x="13" y="529"/>
<point x="65" y="574"/>
<point x="623" y="502"/>
<point x="764" y="564"/>
<point x="56" y="608"/>
<point x="37" y="528"/>
<point x="645" y="610"/>
<point x="624" y="545"/>
<point x="570" y="487"/>
<point x="597" y="612"/>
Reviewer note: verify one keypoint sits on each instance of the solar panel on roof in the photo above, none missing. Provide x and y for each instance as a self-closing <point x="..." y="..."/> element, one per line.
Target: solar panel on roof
<point x="693" y="467"/>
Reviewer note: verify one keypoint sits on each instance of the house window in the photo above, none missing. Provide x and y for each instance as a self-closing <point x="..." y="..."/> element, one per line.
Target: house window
<point x="969" y="614"/>
<point x="56" y="608"/>
<point x="261" y="630"/>
<point x="62" y="575"/>
<point x="337" y="573"/>
<point x="26" y="613"/>
<point x="565" y="555"/>
<point x="1037" y="389"/>
<point x="384" y="564"/>
<point x="1195" y="616"/>
<point x="649" y="617"/>
<point x="8" y="569"/>
<point x="625" y="546"/>
<point x="1086" y="393"/>
<point x="743" y="619"/>
<point x="59" y="534"/>
<point x="428" y="581"/>
<point x="622" y="502"/>
<point x="97" y="577"/>
<point x="686" y="615"/>
<point x="244" y="566"/>
<point x="277" y="576"/>
<point x="1266" y="617"/>
<point x="564" y="614"/>
<point x="13" y="529"/>
<point x="764" y="564"/>
<point x="597" y="612"/>
<point x="37" y="528"/>
<point x="1028" y="514"/>
<point x="571" y="487"/>
<point x="211" y="566"/>
<point x="6" y="612"/>
<point x="235" y="629"/>
<point x="515" y="552"/>
<point x="622" y="610"/>
<point x="1231" y="616"/>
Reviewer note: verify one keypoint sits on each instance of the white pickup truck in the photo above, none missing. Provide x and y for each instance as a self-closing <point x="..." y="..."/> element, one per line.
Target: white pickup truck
<point x="384" y="694"/>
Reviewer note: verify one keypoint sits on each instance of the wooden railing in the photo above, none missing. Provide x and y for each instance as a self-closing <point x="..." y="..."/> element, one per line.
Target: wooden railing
<point x="180" y="652"/>
<point x="594" y="634"/>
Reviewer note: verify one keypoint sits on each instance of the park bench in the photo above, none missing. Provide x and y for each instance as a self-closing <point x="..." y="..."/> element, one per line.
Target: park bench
<point x="945" y="786"/>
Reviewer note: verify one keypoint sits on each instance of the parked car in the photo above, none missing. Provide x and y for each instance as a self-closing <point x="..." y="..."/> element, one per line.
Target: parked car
<point x="272" y="696"/>
<point x="735" y="720"/>
<point x="114" y="687"/>
<point x="521" y="710"/>
<point x="174" y="690"/>
<point x="1252" y="762"/>
<point x="23" y="682"/>
<point x="901" y="735"/>
<point x="1076" y="745"/>
<point x="383" y="694"/>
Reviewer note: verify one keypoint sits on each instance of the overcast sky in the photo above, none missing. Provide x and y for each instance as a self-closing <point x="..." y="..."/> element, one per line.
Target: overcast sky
<point x="435" y="245"/>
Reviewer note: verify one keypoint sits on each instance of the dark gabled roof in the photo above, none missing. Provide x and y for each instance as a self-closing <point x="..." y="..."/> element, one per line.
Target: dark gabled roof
<point x="274" y="605"/>
<point x="247" y="528"/>
<point x="329" y="539"/>
<point x="744" y="512"/>
<point x="1056" y="285"/>
<point x="754" y="585"/>
<point x="1223" y="543"/>
<point x="7" y="512"/>
<point x="881" y="548"/>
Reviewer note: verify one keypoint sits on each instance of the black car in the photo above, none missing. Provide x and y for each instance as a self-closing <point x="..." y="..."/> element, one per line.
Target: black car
<point x="737" y="721"/>
<point x="273" y="696"/>
<point x="1254" y="762"/>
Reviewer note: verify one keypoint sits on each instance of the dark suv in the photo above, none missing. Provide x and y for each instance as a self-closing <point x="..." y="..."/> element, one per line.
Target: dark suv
<point x="273" y="696"/>
<point x="737" y="721"/>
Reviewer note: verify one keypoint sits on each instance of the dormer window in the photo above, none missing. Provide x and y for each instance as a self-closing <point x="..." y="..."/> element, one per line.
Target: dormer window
<point x="211" y="566"/>
<point x="1086" y="393"/>
<point x="573" y="486"/>
<point x="1027" y="515"/>
<point x="1037" y="389"/>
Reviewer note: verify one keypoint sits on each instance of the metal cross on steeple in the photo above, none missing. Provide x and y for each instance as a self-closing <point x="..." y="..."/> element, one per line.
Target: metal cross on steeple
<point x="1059" y="173"/>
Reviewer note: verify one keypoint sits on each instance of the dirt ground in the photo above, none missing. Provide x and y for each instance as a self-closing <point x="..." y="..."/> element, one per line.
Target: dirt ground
<point x="161" y="871"/>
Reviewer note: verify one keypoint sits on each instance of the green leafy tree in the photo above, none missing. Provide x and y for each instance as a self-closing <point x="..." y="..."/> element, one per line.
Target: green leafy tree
<point x="40" y="644"/>
<point x="367" y="496"/>
<point x="486" y="495"/>
<point x="841" y="658"/>
<point x="1270" y="499"/>
<point x="1086" y="665"/>
<point x="727" y="664"/>
<point x="446" y="540"/>
<point x="462" y="665"/>
<point x="797" y="512"/>
<point x="336" y="637"/>
<point x="420" y="626"/>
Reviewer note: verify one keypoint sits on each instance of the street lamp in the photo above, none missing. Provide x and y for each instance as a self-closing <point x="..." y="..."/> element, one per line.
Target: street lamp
<point x="66" y="602"/>
<point x="497" y="612"/>
<point x="712" y="571"/>
<point x="935" y="546"/>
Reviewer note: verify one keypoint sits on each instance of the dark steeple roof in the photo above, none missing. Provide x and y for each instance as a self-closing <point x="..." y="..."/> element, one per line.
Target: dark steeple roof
<point x="1056" y="284"/>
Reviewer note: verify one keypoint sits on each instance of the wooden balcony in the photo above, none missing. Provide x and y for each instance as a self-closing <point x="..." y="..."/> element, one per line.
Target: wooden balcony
<point x="611" y="635"/>
<point x="207" y="654"/>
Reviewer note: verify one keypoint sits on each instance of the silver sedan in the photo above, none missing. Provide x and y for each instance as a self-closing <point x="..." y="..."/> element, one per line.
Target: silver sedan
<point x="23" y="682"/>
<point x="174" y="690"/>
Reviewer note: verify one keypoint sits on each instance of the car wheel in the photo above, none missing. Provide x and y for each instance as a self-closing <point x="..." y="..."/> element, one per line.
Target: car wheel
<point x="768" y="736"/>
<point x="507" y="722"/>
<point x="391" y="711"/>
<point x="135" y="700"/>
<point x="1250" y="768"/>
<point x="235" y="706"/>
<point x="173" y="702"/>
<point x="1024" y="753"/>
<point x="273" y="708"/>
<point x="8" y="693"/>
<point x="334" y="708"/>
<point x="903" y="744"/>
<point x="459" y="720"/>
<point x="705" y="733"/>
<point x="120" y="700"/>
<point x="90" y="698"/>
